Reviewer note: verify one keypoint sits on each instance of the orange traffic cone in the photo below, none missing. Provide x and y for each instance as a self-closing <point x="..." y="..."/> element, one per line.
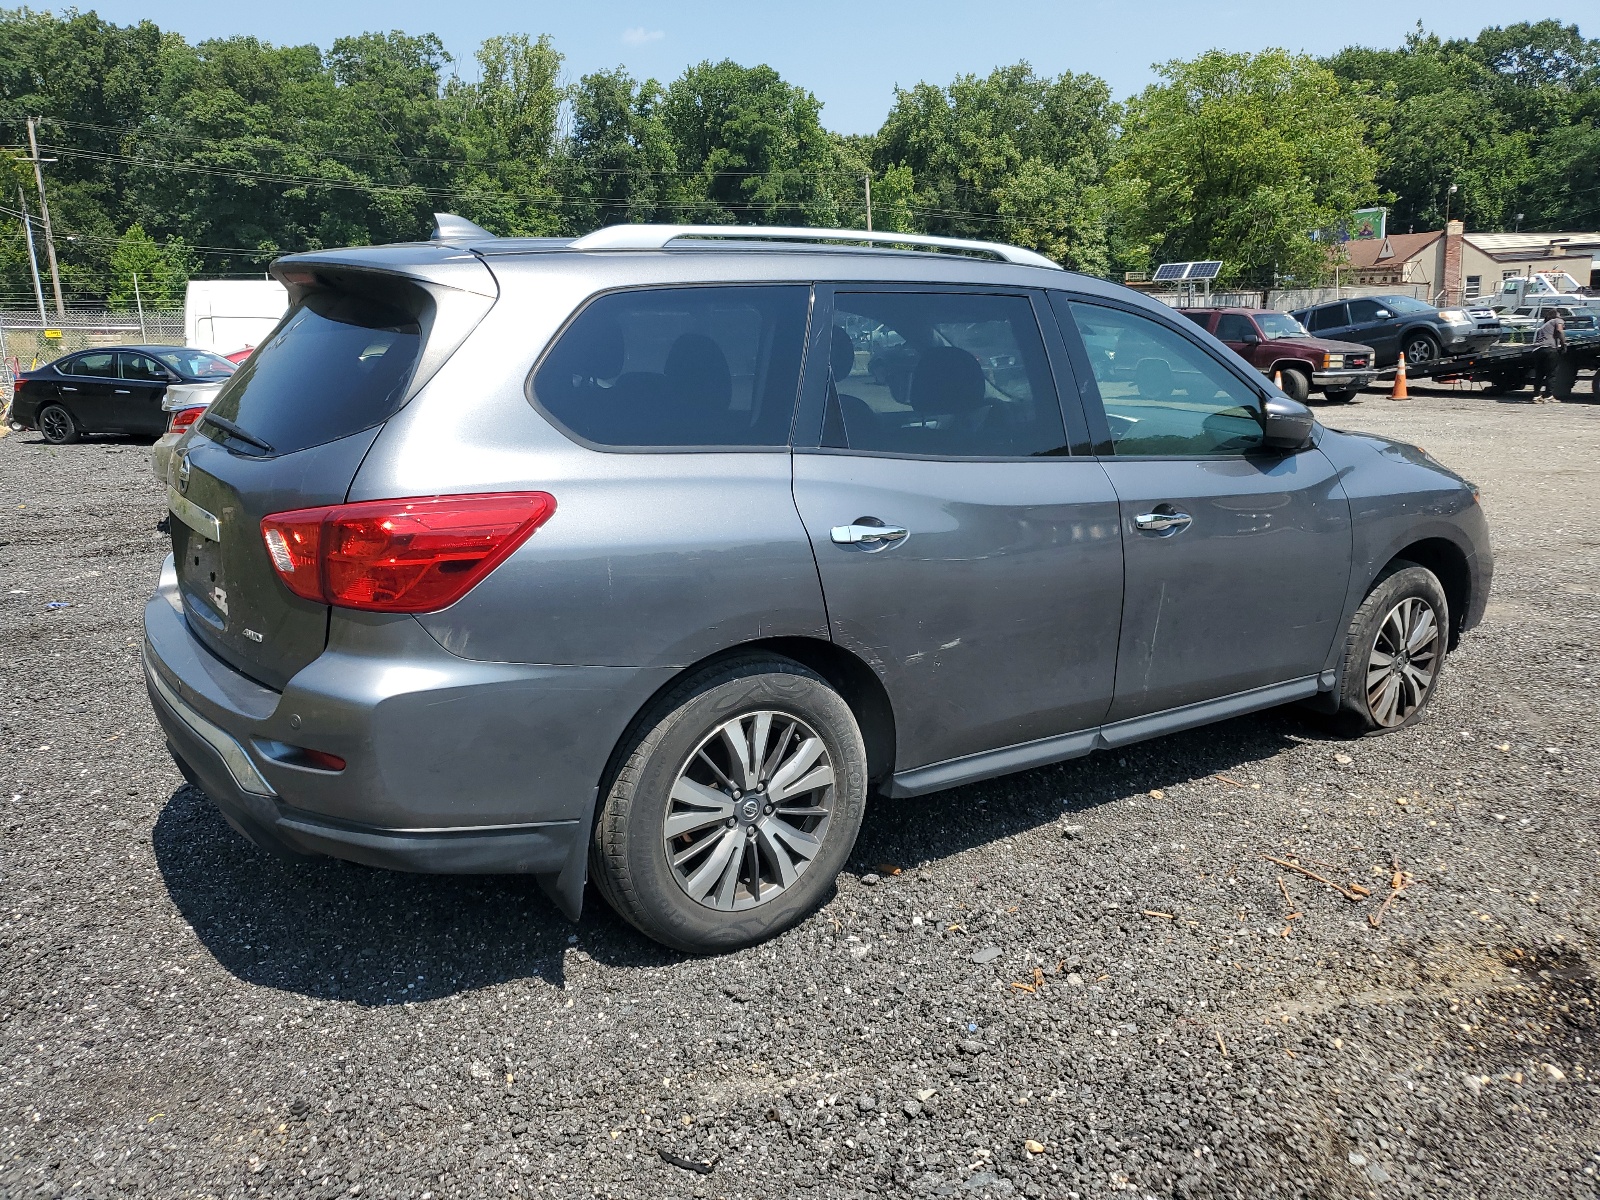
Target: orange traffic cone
<point x="1277" y="380"/>
<point x="1400" y="392"/>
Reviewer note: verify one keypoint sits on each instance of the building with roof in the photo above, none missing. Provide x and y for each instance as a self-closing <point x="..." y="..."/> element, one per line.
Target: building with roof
<point x="1451" y="266"/>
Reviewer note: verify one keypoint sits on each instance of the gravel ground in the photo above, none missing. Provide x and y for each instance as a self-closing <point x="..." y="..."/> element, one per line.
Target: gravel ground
<point x="1080" y="981"/>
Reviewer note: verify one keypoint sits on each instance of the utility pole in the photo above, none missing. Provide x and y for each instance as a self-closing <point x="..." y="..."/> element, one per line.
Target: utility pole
<point x="33" y="259"/>
<point x="869" y="201"/>
<point x="139" y="304"/>
<point x="44" y="211"/>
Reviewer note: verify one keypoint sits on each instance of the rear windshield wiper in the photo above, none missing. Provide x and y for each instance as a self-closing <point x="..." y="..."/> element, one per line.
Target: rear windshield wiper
<point x="233" y="430"/>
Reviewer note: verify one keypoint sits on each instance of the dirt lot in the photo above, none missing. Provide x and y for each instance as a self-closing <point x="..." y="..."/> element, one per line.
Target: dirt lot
<point x="182" y="1016"/>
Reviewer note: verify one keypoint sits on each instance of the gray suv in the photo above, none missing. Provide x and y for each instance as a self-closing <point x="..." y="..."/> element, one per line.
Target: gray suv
<point x="646" y="557"/>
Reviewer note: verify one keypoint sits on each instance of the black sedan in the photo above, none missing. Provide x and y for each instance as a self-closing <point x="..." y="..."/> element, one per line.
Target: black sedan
<point x="114" y="389"/>
<point x="1395" y="324"/>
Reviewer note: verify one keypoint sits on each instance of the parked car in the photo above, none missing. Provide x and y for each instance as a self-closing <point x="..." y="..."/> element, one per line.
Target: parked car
<point x="617" y="559"/>
<point x="1391" y="323"/>
<point x="117" y="389"/>
<point x="182" y="406"/>
<point x="1278" y="346"/>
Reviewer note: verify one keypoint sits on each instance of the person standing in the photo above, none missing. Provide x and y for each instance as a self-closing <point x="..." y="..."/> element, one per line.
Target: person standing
<point x="1548" y="343"/>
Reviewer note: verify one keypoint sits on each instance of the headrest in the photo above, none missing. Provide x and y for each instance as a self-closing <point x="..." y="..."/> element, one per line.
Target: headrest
<point x="698" y="371"/>
<point x="946" y="380"/>
<point x="843" y="355"/>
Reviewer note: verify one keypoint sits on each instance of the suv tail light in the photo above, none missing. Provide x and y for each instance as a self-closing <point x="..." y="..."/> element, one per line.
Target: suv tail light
<point x="405" y="556"/>
<point x="183" y="418"/>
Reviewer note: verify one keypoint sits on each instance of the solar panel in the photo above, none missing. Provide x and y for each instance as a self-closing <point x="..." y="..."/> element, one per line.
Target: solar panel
<point x="1204" y="270"/>
<point x="1168" y="272"/>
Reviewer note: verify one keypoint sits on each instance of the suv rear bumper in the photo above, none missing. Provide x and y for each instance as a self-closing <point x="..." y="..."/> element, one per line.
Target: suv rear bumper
<point x="452" y="766"/>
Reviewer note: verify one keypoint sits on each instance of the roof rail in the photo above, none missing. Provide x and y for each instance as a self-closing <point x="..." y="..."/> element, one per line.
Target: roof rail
<point x="657" y="237"/>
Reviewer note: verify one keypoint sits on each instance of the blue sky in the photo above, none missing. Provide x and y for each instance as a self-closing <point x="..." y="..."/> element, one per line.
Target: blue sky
<point x="852" y="54"/>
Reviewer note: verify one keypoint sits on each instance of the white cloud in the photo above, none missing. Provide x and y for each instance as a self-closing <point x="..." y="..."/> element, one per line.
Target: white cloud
<point x="639" y="35"/>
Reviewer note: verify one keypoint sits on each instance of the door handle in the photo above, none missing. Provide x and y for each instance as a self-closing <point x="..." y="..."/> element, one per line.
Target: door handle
<point x="122" y="392"/>
<point x="65" y="388"/>
<point x="1162" y="522"/>
<point x="850" y="535"/>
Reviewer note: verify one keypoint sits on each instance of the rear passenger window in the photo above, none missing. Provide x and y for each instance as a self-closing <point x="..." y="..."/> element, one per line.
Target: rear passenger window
<point x="679" y="367"/>
<point x="942" y="374"/>
<point x="1330" y="317"/>
<point x="95" y="366"/>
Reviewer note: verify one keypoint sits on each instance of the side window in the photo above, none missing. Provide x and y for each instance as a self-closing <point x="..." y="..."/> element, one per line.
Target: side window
<point x="137" y="366"/>
<point x="942" y="374"/>
<point x="1330" y="317"/>
<point x="1231" y="327"/>
<point x="1201" y="319"/>
<point x="102" y="365"/>
<point x="1362" y="311"/>
<point x="1162" y="394"/>
<point x="679" y="367"/>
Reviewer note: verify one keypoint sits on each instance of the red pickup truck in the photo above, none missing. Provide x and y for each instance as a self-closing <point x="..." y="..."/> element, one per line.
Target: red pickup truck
<point x="1274" y="343"/>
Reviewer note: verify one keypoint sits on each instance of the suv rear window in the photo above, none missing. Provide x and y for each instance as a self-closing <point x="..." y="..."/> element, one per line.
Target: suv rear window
<point x="679" y="367"/>
<point x="335" y="365"/>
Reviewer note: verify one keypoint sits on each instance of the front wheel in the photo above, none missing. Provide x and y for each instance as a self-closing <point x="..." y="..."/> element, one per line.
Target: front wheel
<point x="1421" y="348"/>
<point x="58" y="426"/>
<point x="735" y="807"/>
<point x="1394" y="651"/>
<point x="1295" y="384"/>
<point x="1340" y="395"/>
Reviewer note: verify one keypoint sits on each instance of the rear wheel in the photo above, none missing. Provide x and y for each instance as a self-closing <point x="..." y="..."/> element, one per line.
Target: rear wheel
<point x="736" y="806"/>
<point x="58" y="426"/>
<point x="1340" y="396"/>
<point x="1296" y="384"/>
<point x="1394" y="651"/>
<point x="1502" y="383"/>
<point x="1421" y="347"/>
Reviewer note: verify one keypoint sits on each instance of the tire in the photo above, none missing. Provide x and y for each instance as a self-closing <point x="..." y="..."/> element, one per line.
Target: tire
<point x="677" y="752"/>
<point x="58" y="425"/>
<point x="1296" y="384"/>
<point x="1395" y="604"/>
<point x="1340" y="396"/>
<point x="1420" y="347"/>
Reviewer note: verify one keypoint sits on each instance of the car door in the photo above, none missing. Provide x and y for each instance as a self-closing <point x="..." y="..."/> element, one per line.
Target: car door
<point x="1236" y="557"/>
<point x="1330" y="321"/>
<point x="1375" y="324"/>
<point x="137" y="398"/>
<point x="86" y="387"/>
<point x="1239" y="333"/>
<point x="964" y="553"/>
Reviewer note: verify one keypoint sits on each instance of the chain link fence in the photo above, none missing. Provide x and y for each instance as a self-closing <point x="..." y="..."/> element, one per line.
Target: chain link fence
<point x="25" y="343"/>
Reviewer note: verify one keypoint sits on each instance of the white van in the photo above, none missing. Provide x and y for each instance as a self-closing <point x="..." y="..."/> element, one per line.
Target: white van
<point x="230" y="315"/>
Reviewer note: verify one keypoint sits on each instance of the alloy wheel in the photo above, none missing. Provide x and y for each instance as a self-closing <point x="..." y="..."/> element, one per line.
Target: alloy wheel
<point x="1421" y="350"/>
<point x="1404" y="660"/>
<point x="749" y="810"/>
<point x="55" y="425"/>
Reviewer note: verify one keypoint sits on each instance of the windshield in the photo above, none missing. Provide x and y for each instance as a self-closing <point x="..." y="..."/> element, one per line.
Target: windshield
<point x="197" y="364"/>
<point x="1405" y="304"/>
<point x="1280" y="325"/>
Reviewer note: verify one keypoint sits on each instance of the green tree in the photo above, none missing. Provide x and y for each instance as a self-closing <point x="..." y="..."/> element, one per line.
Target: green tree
<point x="750" y="148"/>
<point x="1013" y="155"/>
<point x="1242" y="157"/>
<point x="504" y="127"/>
<point x="619" y="164"/>
<point x="161" y="271"/>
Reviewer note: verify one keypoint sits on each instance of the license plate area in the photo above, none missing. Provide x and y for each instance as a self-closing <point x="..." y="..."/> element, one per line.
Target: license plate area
<point x="200" y="573"/>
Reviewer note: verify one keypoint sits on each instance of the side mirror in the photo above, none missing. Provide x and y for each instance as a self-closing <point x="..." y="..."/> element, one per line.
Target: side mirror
<point x="1286" y="424"/>
<point x="1251" y="338"/>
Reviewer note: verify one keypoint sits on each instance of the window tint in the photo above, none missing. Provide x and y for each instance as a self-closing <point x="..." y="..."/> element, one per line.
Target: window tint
<point x="946" y="374"/>
<point x="698" y="366"/>
<point x="97" y="366"/>
<point x="1231" y="327"/>
<point x="1330" y="317"/>
<point x="137" y="366"/>
<point x="337" y="364"/>
<point x="1201" y="319"/>
<point x="1162" y="394"/>
<point x="1363" y="311"/>
<point x="197" y="364"/>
